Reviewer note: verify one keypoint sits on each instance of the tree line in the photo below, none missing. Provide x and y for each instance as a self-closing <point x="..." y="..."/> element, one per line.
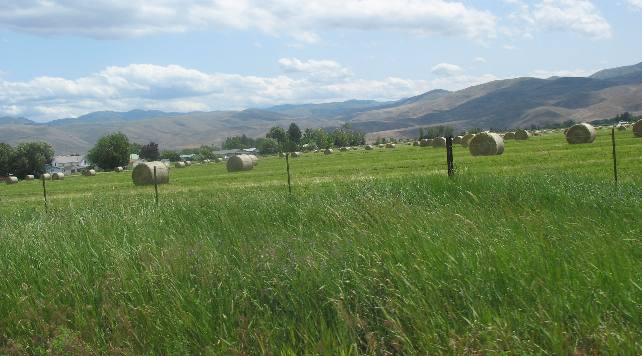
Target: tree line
<point x="293" y="139"/>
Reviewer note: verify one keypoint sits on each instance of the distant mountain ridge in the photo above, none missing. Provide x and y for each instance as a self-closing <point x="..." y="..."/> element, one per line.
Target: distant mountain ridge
<point x="508" y="103"/>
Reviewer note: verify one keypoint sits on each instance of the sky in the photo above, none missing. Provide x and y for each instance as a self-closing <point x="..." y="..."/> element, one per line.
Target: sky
<point x="65" y="58"/>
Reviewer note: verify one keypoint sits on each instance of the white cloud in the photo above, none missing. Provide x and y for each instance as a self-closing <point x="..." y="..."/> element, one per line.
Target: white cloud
<point x="175" y="88"/>
<point x="480" y="60"/>
<point x="129" y="18"/>
<point x="447" y="70"/>
<point x="579" y="16"/>
<point x="636" y="3"/>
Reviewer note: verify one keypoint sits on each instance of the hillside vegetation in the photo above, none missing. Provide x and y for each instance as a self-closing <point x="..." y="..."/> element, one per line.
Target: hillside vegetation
<point x="375" y="252"/>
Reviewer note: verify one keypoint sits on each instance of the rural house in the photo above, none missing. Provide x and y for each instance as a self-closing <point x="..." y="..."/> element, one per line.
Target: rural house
<point x="69" y="164"/>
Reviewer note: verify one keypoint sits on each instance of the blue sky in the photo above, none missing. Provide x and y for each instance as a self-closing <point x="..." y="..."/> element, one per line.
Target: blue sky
<point x="64" y="58"/>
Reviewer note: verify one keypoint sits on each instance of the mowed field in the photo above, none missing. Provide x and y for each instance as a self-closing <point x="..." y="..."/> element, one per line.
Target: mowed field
<point x="375" y="252"/>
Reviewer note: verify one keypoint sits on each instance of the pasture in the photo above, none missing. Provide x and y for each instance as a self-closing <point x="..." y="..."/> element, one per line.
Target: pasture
<point x="375" y="252"/>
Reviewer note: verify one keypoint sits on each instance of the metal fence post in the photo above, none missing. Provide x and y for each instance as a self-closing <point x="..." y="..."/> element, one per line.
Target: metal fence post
<point x="449" y="156"/>
<point x="287" y="164"/>
<point x="44" y="191"/>
<point x="614" y="153"/>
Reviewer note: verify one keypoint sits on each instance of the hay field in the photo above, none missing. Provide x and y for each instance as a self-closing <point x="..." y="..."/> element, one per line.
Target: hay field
<point x="533" y="251"/>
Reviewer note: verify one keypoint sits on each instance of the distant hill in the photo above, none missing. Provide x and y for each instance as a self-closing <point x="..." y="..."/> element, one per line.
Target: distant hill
<point x="508" y="103"/>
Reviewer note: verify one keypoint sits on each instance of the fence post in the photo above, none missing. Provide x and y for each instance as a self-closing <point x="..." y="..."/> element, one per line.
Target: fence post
<point x="449" y="156"/>
<point x="155" y="185"/>
<point x="44" y="191"/>
<point x="614" y="153"/>
<point x="287" y="165"/>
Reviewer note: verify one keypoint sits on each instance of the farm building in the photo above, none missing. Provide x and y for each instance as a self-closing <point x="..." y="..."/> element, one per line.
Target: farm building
<point x="67" y="164"/>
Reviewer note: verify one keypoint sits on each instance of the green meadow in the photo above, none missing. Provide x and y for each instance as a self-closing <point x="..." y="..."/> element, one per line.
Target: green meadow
<point x="536" y="251"/>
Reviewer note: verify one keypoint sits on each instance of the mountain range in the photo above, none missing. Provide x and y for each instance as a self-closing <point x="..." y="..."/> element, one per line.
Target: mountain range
<point x="509" y="103"/>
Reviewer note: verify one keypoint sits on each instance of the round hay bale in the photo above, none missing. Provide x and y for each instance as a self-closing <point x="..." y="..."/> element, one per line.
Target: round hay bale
<point x="637" y="129"/>
<point x="355" y="148"/>
<point x="439" y="142"/>
<point x="143" y="174"/>
<point x="369" y="148"/>
<point x="30" y="177"/>
<point x="457" y="140"/>
<point x="381" y="145"/>
<point x="486" y="144"/>
<point x="466" y="139"/>
<point x="328" y="151"/>
<point x="391" y="145"/>
<point x="45" y="176"/>
<point x="218" y="160"/>
<point x="509" y="136"/>
<point x="581" y="133"/>
<point x="89" y="173"/>
<point x="188" y="163"/>
<point x="521" y="135"/>
<point x="58" y="176"/>
<point x="12" y="180"/>
<point x="416" y="143"/>
<point x="621" y="128"/>
<point x="240" y="163"/>
<point x="344" y="149"/>
<point x="255" y="160"/>
<point x="180" y="165"/>
<point x="118" y="169"/>
<point x="296" y="154"/>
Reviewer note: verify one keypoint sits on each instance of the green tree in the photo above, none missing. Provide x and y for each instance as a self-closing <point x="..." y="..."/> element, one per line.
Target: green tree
<point x="7" y="156"/>
<point x="31" y="157"/>
<point x="111" y="151"/>
<point x="294" y="133"/>
<point x="149" y="152"/>
<point x="170" y="155"/>
<point x="134" y="148"/>
<point x="279" y="134"/>
<point x="268" y="146"/>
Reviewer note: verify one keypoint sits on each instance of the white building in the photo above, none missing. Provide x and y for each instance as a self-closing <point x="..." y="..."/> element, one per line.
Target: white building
<point x="69" y="164"/>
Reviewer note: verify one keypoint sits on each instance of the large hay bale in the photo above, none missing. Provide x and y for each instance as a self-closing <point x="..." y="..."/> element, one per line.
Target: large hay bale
<point x="45" y="176"/>
<point x="58" y="176"/>
<point x="89" y="173"/>
<point x="180" y="165"/>
<point x="296" y="154"/>
<point x="355" y="148"/>
<point x="118" y="169"/>
<point x="390" y="145"/>
<point x="239" y="163"/>
<point x="509" y="136"/>
<point x="328" y="151"/>
<point x="458" y="140"/>
<point x="218" y="160"/>
<point x="369" y="147"/>
<point x="466" y="139"/>
<point x="188" y="163"/>
<point x="381" y="145"/>
<point x="486" y="144"/>
<point x="637" y="129"/>
<point x="581" y="133"/>
<point x="521" y="135"/>
<point x="439" y="142"/>
<point x="11" y="180"/>
<point x="255" y="160"/>
<point x="143" y="174"/>
<point x="416" y="143"/>
<point x="30" y="177"/>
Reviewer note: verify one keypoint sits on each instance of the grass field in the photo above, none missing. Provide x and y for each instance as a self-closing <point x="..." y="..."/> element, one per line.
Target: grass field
<point x="535" y="251"/>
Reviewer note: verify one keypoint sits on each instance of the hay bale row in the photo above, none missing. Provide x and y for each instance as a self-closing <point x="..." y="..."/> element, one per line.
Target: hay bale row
<point x="143" y="174"/>
<point x="12" y="180"/>
<point x="240" y="163"/>
<point x="58" y="176"/>
<point x="486" y="144"/>
<point x="581" y="133"/>
<point x="522" y="134"/>
<point x="637" y="129"/>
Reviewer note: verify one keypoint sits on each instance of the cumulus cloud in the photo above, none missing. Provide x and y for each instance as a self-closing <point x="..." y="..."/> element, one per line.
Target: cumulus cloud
<point x="636" y="3"/>
<point x="579" y="16"/>
<point x="176" y="88"/>
<point x="128" y="18"/>
<point x="447" y="70"/>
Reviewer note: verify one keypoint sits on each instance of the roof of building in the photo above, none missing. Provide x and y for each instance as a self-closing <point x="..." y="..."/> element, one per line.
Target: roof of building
<point x="68" y="159"/>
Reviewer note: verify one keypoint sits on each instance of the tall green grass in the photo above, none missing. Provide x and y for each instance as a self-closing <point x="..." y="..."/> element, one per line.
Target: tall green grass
<point x="375" y="253"/>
